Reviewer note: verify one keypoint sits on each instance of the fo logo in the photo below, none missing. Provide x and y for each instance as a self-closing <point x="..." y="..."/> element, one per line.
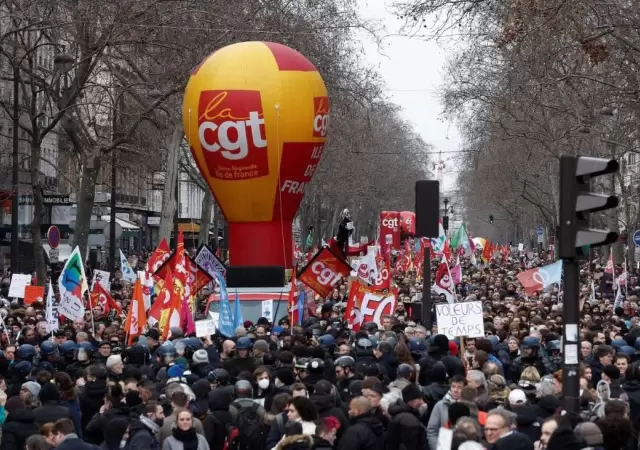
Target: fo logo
<point x="324" y="274"/>
<point x="320" y="116"/>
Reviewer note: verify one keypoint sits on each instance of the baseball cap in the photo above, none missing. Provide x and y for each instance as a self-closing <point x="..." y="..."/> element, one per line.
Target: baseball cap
<point x="404" y="369"/>
<point x="517" y="397"/>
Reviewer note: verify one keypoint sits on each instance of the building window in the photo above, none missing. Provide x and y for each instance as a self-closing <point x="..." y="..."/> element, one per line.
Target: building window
<point x="632" y="158"/>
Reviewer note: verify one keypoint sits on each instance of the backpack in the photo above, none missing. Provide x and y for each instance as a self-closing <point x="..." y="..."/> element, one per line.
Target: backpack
<point x="247" y="432"/>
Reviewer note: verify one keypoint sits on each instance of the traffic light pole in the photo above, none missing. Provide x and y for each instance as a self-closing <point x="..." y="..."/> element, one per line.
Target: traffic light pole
<point x="571" y="319"/>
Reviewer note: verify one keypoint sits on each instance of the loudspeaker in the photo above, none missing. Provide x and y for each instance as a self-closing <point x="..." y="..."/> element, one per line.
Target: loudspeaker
<point x="427" y="208"/>
<point x="267" y="276"/>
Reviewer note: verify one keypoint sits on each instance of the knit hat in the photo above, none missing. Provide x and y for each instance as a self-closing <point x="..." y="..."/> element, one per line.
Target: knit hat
<point x="200" y="357"/>
<point x="457" y="411"/>
<point x="322" y="387"/>
<point x="439" y="373"/>
<point x="612" y="372"/>
<point x="441" y="342"/>
<point x="176" y="371"/>
<point x="286" y="376"/>
<point x="114" y="431"/>
<point x="453" y="348"/>
<point x="590" y="434"/>
<point x="32" y="387"/>
<point x="49" y="393"/>
<point x="14" y="403"/>
<point x="411" y="392"/>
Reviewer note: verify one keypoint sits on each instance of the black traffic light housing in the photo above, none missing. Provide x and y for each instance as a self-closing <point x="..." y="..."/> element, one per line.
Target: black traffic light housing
<point x="576" y="202"/>
<point x="490" y="218"/>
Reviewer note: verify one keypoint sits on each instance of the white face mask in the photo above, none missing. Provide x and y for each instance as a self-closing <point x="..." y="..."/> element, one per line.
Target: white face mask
<point x="263" y="384"/>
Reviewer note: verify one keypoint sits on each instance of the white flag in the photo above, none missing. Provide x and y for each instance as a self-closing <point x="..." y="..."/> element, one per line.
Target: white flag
<point x="52" y="320"/>
<point x="368" y="269"/>
<point x="127" y="272"/>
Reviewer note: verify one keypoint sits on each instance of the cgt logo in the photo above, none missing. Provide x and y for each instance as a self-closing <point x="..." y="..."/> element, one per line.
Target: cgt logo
<point x="391" y="223"/>
<point x="324" y="274"/>
<point x="320" y="116"/>
<point x="232" y="123"/>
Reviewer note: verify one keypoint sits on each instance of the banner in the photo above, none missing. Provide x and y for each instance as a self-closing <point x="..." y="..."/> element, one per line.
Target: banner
<point x="323" y="272"/>
<point x="367" y="268"/>
<point x="51" y="316"/>
<point x="408" y="223"/>
<point x="128" y="274"/>
<point x="389" y="231"/>
<point x="364" y="306"/>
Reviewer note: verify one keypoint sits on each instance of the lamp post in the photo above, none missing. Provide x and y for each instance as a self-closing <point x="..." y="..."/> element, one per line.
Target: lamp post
<point x="62" y="63"/>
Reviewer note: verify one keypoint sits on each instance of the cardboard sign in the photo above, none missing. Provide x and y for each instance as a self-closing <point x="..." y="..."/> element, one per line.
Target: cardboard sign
<point x="33" y="294"/>
<point x="460" y="319"/>
<point x="324" y="271"/>
<point x="205" y="328"/>
<point x="71" y="307"/>
<point x="18" y="283"/>
<point x="102" y="277"/>
<point x="267" y="309"/>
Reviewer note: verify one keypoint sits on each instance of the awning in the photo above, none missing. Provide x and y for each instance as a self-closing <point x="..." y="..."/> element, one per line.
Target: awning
<point x="189" y="227"/>
<point x="126" y="225"/>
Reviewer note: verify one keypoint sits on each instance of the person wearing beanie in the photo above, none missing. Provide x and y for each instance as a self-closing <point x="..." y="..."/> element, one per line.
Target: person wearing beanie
<point x="456" y="412"/>
<point x="438" y="349"/>
<point x="440" y="414"/>
<point x="439" y="386"/>
<point x="373" y="390"/>
<point x="405" y="429"/>
<point x="51" y="409"/>
<point x="200" y="366"/>
<point x="18" y="426"/>
<point x="30" y="387"/>
<point x="324" y="398"/>
<point x="611" y="374"/>
<point x="113" y="434"/>
<point x="241" y="331"/>
<point x="412" y="396"/>
<point x="284" y="379"/>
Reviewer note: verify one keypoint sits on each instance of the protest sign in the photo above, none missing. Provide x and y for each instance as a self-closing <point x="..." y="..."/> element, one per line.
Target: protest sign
<point x="460" y="319"/>
<point x="18" y="282"/>
<point x="205" y="328"/>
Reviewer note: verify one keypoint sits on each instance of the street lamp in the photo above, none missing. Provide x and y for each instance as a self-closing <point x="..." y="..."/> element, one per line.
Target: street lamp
<point x="62" y="63"/>
<point x="445" y="217"/>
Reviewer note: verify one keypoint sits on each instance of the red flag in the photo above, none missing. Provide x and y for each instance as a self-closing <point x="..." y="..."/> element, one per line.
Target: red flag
<point x="100" y="296"/>
<point x="159" y="256"/>
<point x="610" y="267"/>
<point x="292" y="302"/>
<point x="136" y="319"/>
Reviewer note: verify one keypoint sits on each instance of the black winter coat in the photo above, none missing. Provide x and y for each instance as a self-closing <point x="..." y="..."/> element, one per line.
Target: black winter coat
<point x="365" y="433"/>
<point x="528" y="421"/>
<point x="50" y="412"/>
<point x="91" y="400"/>
<point x="216" y="422"/>
<point x="326" y="407"/>
<point x="405" y="431"/>
<point x="19" y="425"/>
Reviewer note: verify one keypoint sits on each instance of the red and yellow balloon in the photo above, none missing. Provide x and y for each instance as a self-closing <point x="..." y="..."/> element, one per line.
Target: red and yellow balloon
<point x="256" y="116"/>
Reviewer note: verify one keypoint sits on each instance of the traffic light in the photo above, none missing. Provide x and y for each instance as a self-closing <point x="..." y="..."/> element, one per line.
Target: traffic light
<point x="490" y="218"/>
<point x="576" y="202"/>
<point x="445" y="223"/>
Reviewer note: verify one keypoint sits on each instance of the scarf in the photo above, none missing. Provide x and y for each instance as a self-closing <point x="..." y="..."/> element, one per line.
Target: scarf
<point x="188" y="438"/>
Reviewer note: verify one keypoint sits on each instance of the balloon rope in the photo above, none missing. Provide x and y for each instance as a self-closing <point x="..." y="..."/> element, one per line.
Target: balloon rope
<point x="284" y="247"/>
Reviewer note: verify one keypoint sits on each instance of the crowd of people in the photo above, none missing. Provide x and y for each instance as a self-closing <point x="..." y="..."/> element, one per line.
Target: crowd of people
<point x="397" y="385"/>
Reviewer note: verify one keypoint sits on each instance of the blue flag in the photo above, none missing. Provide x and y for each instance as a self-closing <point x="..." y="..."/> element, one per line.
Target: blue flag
<point x="225" y="323"/>
<point x="300" y="306"/>
<point x="238" y="319"/>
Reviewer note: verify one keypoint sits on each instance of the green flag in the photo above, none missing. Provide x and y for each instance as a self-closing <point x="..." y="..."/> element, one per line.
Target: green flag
<point x="459" y="238"/>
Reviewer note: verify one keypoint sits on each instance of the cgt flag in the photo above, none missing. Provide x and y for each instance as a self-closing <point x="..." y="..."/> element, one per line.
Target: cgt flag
<point x="323" y="272"/>
<point x="537" y="279"/>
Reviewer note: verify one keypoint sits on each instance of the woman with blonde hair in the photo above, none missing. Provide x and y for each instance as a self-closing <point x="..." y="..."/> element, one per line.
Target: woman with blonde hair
<point x="498" y="391"/>
<point x="529" y="379"/>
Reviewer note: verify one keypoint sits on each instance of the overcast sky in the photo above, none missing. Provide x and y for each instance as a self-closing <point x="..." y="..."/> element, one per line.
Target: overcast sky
<point x="412" y="69"/>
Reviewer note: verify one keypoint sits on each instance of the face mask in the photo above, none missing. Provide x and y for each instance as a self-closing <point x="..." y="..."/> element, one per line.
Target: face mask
<point x="263" y="384"/>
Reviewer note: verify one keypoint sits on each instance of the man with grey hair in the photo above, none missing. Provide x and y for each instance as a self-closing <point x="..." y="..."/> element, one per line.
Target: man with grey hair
<point x="476" y="379"/>
<point x="500" y="426"/>
<point x="421" y="332"/>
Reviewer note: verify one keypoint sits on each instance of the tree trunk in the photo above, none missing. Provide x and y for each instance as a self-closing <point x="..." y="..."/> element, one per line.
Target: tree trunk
<point x="169" y="201"/>
<point x="205" y="217"/>
<point x="36" y="222"/>
<point x="91" y="163"/>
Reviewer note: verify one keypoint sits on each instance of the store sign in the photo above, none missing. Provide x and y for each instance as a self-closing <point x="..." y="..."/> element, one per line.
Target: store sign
<point x="52" y="199"/>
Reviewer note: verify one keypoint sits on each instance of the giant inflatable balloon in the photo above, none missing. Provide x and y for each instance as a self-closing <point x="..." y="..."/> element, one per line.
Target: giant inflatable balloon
<point x="256" y="115"/>
<point x="408" y="223"/>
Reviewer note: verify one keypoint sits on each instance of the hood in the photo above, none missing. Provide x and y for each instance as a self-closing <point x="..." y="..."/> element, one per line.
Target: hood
<point x="201" y="389"/>
<point x="219" y="400"/>
<point x="22" y="415"/>
<point x="526" y="415"/>
<point x="372" y="422"/>
<point x="96" y="389"/>
<point x="300" y="441"/>
<point x="322" y="402"/>
<point x="144" y="422"/>
<point x="401" y="407"/>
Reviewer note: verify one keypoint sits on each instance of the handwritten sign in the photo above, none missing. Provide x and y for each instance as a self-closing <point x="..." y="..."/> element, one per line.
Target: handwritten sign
<point x="205" y="328"/>
<point x="460" y="319"/>
<point x="102" y="277"/>
<point x="71" y="307"/>
<point x="18" y="283"/>
<point x="267" y="309"/>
